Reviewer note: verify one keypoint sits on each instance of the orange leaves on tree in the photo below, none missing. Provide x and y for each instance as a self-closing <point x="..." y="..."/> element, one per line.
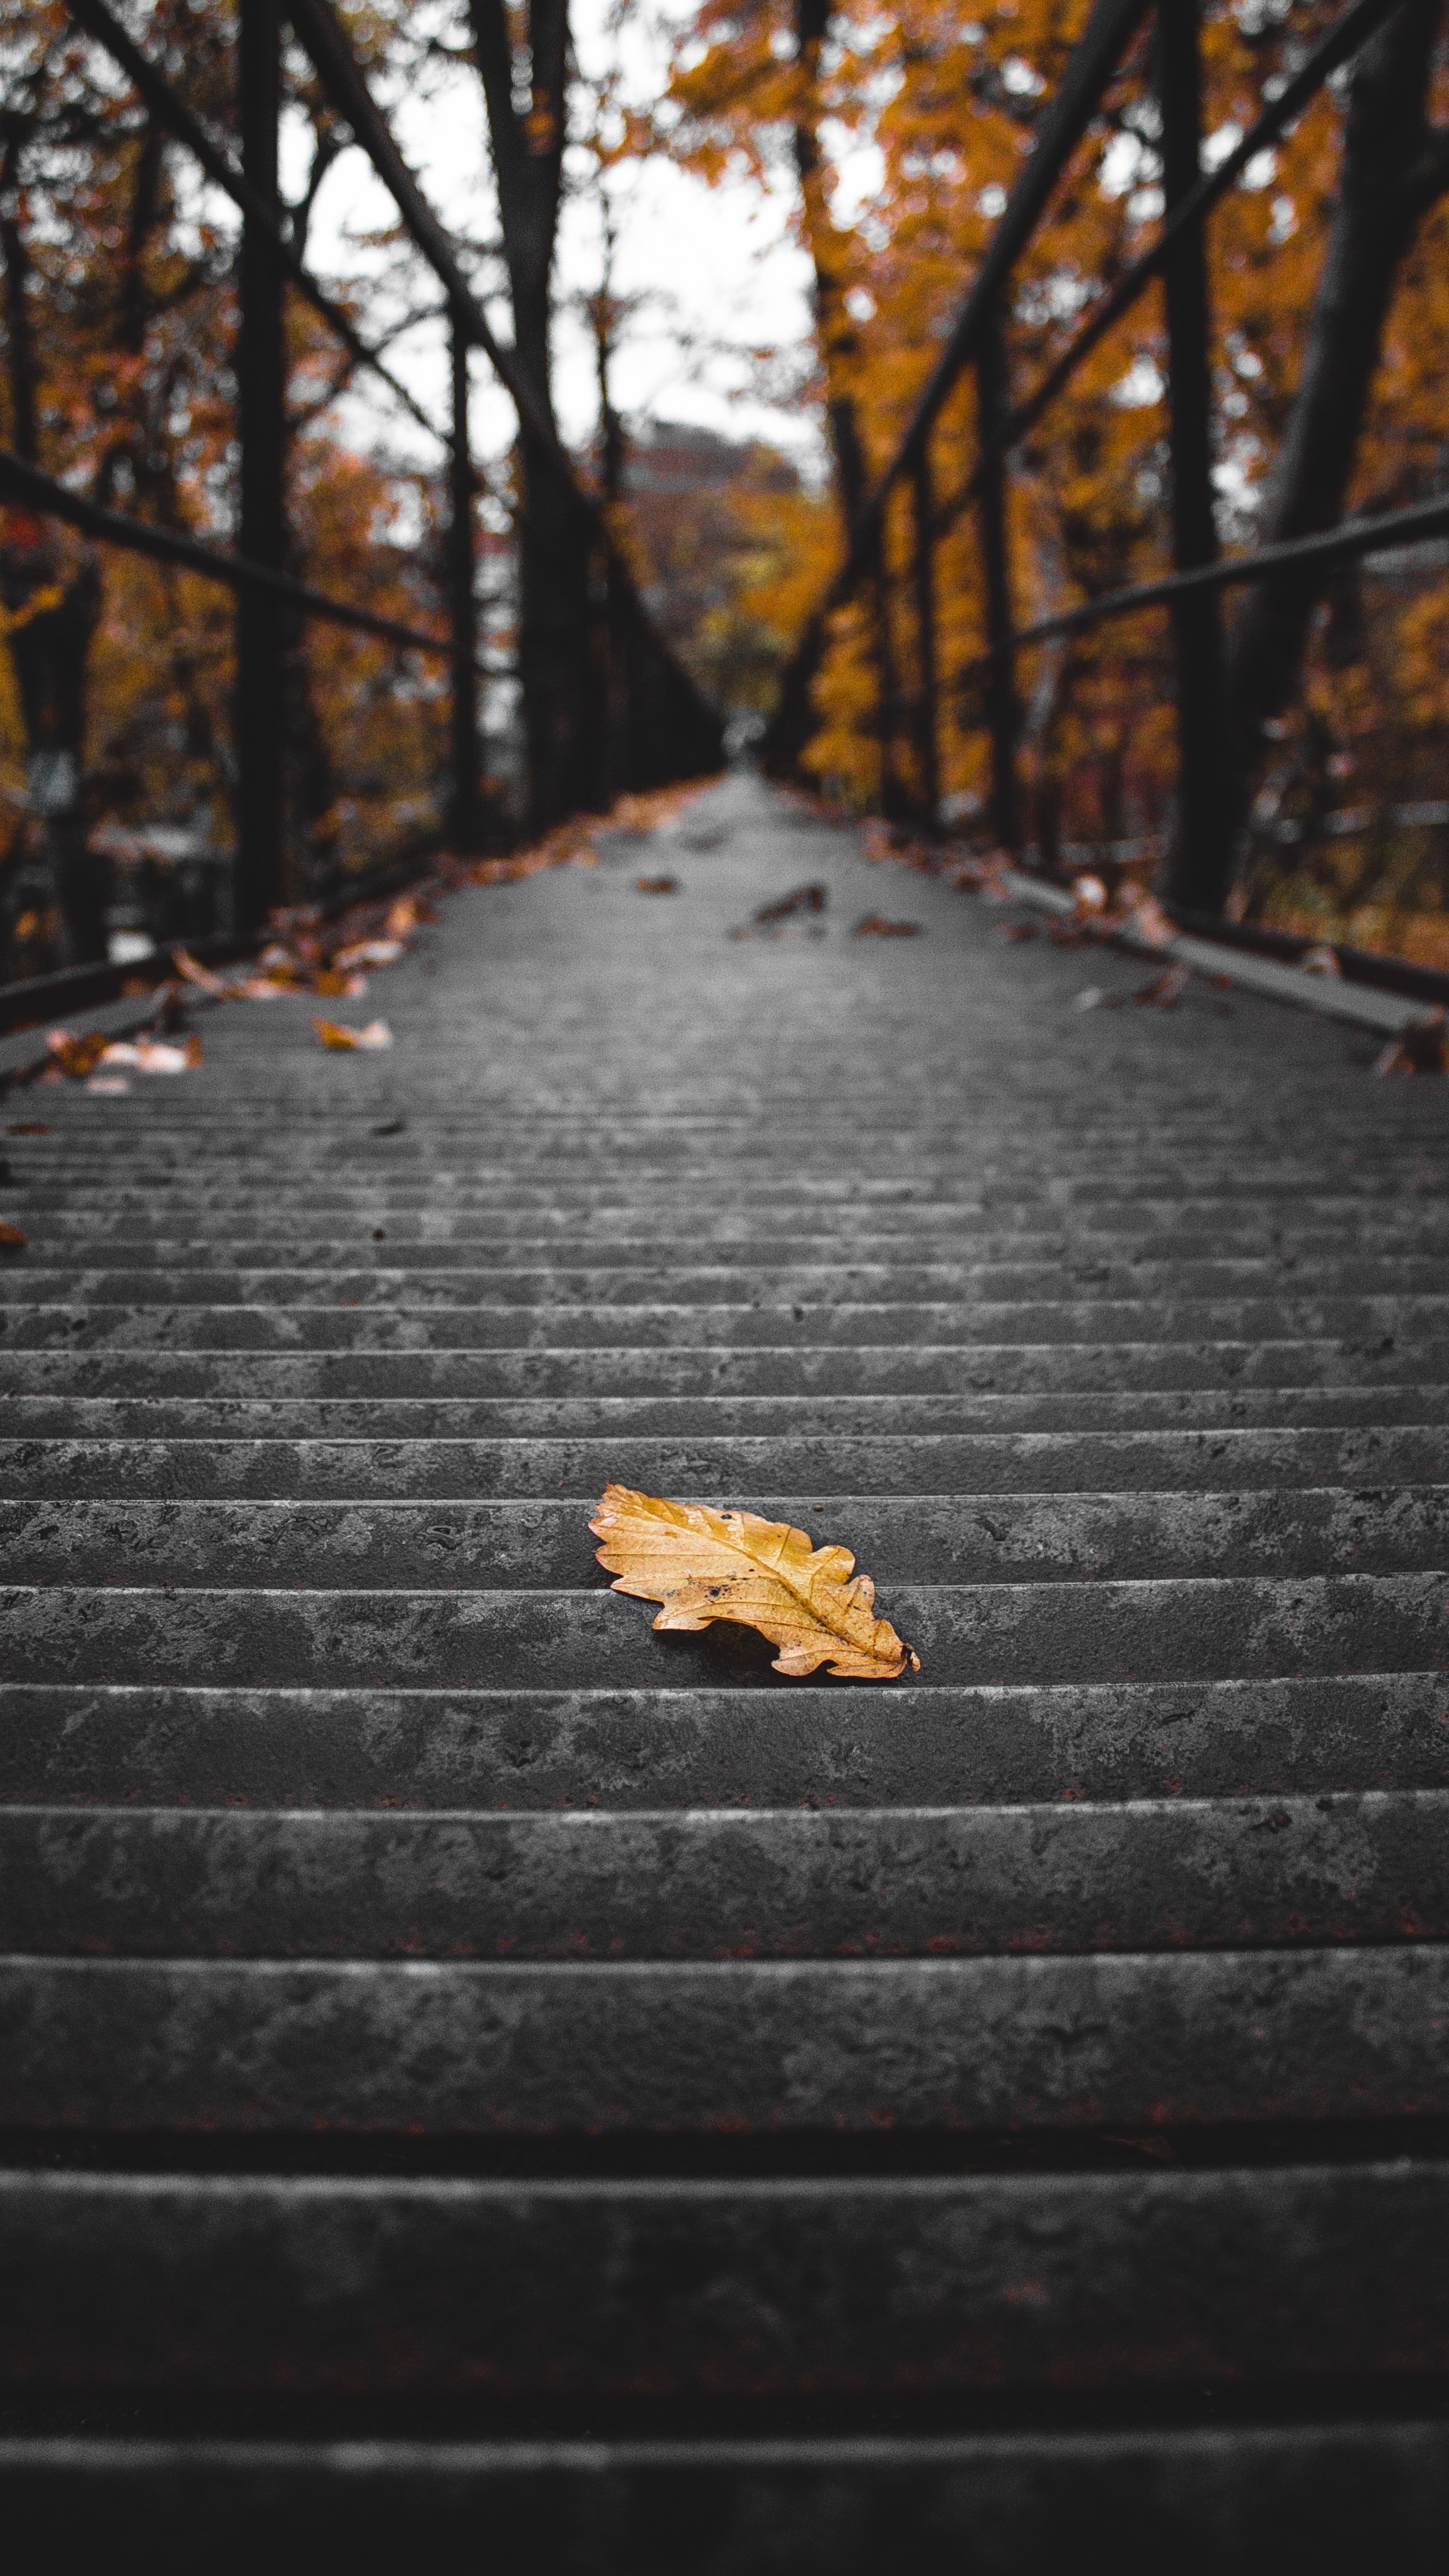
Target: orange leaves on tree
<point x="707" y="1565"/>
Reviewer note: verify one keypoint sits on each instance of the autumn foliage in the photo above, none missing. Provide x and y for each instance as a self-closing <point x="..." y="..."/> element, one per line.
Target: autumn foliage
<point x="898" y="135"/>
<point x="933" y="110"/>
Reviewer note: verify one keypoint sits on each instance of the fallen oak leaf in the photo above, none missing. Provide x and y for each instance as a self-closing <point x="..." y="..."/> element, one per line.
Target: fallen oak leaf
<point x="706" y="1565"/>
<point x="331" y="1033"/>
<point x="335" y="986"/>
<point x="656" y="885"/>
<point x="11" y="1239"/>
<point x="876" y="926"/>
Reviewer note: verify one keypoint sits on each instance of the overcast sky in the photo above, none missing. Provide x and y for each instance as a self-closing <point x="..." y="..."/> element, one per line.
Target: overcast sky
<point x="714" y="270"/>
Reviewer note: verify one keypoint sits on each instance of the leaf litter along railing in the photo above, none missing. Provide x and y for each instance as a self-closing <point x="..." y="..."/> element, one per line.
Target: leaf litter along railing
<point x="1203" y="849"/>
<point x="640" y="721"/>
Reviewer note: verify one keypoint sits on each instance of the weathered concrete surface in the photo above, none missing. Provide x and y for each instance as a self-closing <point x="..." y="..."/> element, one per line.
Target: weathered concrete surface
<point x="351" y="1823"/>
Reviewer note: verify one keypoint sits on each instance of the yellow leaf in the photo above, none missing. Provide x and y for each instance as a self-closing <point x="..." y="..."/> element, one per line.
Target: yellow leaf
<point x="706" y="1565"/>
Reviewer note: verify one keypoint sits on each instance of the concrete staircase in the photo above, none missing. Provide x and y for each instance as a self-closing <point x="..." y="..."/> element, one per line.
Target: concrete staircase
<point x="488" y="2086"/>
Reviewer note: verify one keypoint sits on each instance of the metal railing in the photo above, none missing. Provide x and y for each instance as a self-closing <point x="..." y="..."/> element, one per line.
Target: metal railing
<point x="976" y="346"/>
<point x="645" y="723"/>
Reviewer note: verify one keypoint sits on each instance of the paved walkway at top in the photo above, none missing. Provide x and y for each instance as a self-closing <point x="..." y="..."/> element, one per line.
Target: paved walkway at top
<point x="434" y="2003"/>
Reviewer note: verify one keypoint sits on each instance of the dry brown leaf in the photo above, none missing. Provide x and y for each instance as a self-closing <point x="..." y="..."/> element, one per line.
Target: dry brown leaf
<point x="76" y="1056"/>
<point x="876" y="926"/>
<point x="706" y="1565"/>
<point x="1149" y="921"/>
<point x="11" y="1239"/>
<point x="1165" y="990"/>
<point x="30" y="1127"/>
<point x="368" y="952"/>
<point x="197" y="974"/>
<point x="656" y="885"/>
<point x="333" y="1034"/>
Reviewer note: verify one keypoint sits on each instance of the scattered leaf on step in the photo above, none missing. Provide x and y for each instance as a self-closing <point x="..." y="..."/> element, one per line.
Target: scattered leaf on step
<point x="706" y="1565"/>
<point x="197" y="974"/>
<point x="876" y="926"/>
<point x="152" y="1055"/>
<point x="805" y="898"/>
<point x="772" y="918"/>
<point x="1166" y="990"/>
<point x="369" y="952"/>
<point x="11" y="1239"/>
<point x="333" y="1034"/>
<point x="76" y="1056"/>
<point x="335" y="987"/>
<point x="1148" y="919"/>
<point x="30" y="1127"/>
<point x="656" y="885"/>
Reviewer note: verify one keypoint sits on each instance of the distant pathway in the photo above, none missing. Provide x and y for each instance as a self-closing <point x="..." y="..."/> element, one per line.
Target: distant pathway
<point x="436" y="2008"/>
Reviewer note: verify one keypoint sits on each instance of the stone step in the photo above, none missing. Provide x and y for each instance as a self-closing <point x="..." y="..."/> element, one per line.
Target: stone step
<point x="1091" y="1385"/>
<point x="774" y="2290"/>
<point x="1150" y="1874"/>
<point x="490" y="1227"/>
<point x="364" y="1318"/>
<point x="1247" y="1627"/>
<point x="534" y="1543"/>
<point x="673" y="1273"/>
<point x="819" y="1745"/>
<point x="1156" y="2042"/>
<point x="1265" y="2499"/>
<point x="171" y="1447"/>
<point x="1260" y="1300"/>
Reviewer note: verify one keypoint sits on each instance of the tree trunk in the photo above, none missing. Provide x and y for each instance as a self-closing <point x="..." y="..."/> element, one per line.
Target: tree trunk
<point x="1394" y="166"/>
<point x="834" y="330"/>
<point x="53" y="606"/>
<point x="562" y="730"/>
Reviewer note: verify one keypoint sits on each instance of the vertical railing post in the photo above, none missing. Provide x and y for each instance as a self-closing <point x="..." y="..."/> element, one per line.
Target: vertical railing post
<point x="883" y="655"/>
<point x="992" y="403"/>
<point x="466" y="819"/>
<point x="1201" y="862"/>
<point x="261" y="634"/>
<point x="923" y="571"/>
